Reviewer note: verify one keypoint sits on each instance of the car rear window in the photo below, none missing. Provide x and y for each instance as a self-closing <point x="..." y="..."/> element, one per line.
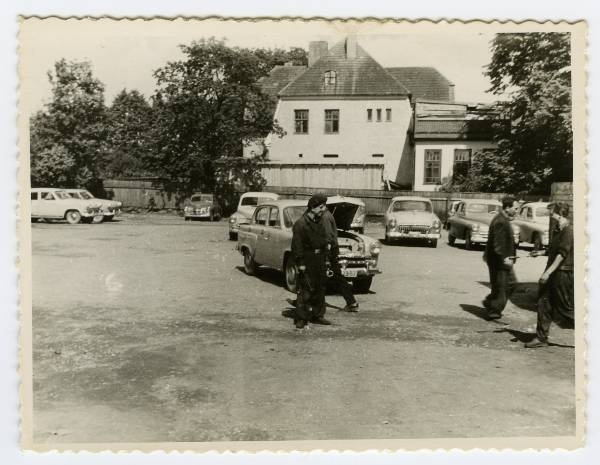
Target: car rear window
<point x="411" y="206"/>
<point x="251" y="201"/>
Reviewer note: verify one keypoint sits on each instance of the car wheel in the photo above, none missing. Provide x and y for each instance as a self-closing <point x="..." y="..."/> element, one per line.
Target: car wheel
<point x="362" y="286"/>
<point x="232" y="236"/>
<point x="73" y="217"/>
<point x="291" y="274"/>
<point x="537" y="242"/>
<point x="451" y="239"/>
<point x="468" y="243"/>
<point x="433" y="243"/>
<point x="98" y="219"/>
<point x="249" y="263"/>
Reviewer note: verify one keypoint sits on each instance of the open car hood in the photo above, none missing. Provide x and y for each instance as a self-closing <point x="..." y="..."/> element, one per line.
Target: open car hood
<point x="343" y="210"/>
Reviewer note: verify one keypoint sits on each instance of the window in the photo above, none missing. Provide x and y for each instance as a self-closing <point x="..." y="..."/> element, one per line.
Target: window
<point x="379" y="114"/>
<point x="388" y="114"/>
<point x="300" y="155"/>
<point x="377" y="155"/>
<point x="261" y="215"/>
<point x="274" y="217"/>
<point x="462" y="163"/>
<point x="433" y="167"/>
<point x="48" y="196"/>
<point x="369" y="114"/>
<point x="34" y="196"/>
<point x="332" y="121"/>
<point x="301" y="121"/>
<point x="330" y="155"/>
<point x="330" y="78"/>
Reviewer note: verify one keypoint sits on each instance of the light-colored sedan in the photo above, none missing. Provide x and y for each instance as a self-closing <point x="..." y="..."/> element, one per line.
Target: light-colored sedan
<point x="56" y="204"/>
<point x="246" y="205"/>
<point x="472" y="220"/>
<point x="110" y="208"/>
<point x="267" y="240"/>
<point x="412" y="218"/>
<point x="202" y="207"/>
<point x="533" y="220"/>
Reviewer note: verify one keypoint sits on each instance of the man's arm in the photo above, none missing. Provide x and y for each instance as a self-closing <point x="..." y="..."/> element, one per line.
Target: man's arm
<point x="298" y="244"/>
<point x="502" y="241"/>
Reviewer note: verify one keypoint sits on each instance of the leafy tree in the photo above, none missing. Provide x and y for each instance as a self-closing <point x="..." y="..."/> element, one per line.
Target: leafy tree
<point x="67" y="136"/>
<point x="532" y="71"/>
<point x="129" y="121"/>
<point x="206" y="107"/>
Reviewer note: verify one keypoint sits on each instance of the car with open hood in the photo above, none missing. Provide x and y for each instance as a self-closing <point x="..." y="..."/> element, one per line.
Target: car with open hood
<point x="110" y="208"/>
<point x="246" y="205"/>
<point x="203" y="207"/>
<point x="472" y="220"/>
<point x="358" y="222"/>
<point x="412" y="218"/>
<point x="533" y="220"/>
<point x="55" y="204"/>
<point x="267" y="241"/>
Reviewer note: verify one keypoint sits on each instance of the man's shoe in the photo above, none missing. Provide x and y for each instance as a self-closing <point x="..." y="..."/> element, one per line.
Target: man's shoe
<point x="292" y="302"/>
<point x="535" y="344"/>
<point x="351" y="307"/>
<point x="321" y="321"/>
<point x="289" y="313"/>
<point x="494" y="316"/>
<point x="299" y="324"/>
<point x="486" y="304"/>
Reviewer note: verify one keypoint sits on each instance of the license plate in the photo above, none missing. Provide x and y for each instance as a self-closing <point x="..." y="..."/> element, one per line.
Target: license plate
<point x="350" y="273"/>
<point x="414" y="233"/>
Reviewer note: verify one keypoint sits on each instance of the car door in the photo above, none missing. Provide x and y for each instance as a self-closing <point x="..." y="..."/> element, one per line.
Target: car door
<point x="276" y="242"/>
<point x="35" y="204"/>
<point x="458" y="220"/>
<point x="260" y="229"/>
<point x="49" y="205"/>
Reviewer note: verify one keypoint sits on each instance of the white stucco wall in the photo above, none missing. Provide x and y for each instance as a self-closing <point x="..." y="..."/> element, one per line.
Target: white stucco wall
<point x="447" y="148"/>
<point x="357" y="139"/>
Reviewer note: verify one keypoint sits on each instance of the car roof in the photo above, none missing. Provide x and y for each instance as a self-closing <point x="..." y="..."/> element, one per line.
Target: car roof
<point x="53" y="189"/>
<point x="536" y="204"/>
<point x="342" y="198"/>
<point x="260" y="194"/>
<point x="282" y="203"/>
<point x="411" y="197"/>
<point x="72" y="190"/>
<point x="488" y="201"/>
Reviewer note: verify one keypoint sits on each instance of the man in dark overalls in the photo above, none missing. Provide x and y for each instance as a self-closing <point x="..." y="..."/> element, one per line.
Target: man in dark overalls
<point x="310" y="249"/>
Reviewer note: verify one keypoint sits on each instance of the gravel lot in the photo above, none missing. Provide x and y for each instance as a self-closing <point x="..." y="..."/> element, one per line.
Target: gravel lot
<point x="147" y="329"/>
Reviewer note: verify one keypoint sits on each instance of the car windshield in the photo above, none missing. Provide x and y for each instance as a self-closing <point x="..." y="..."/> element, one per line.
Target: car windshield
<point x="482" y="208"/>
<point x="62" y="195"/>
<point x="292" y="214"/>
<point x="85" y="195"/>
<point x="411" y="205"/>
<point x="541" y="212"/>
<point x="202" y="198"/>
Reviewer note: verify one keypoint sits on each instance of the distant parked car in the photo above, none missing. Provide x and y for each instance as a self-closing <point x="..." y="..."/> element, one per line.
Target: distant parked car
<point x="267" y="240"/>
<point x="472" y="220"/>
<point x="55" y="204"/>
<point x="110" y="208"/>
<point x="533" y="220"/>
<point x="358" y="222"/>
<point x="246" y="206"/>
<point x="202" y="206"/>
<point x="412" y="218"/>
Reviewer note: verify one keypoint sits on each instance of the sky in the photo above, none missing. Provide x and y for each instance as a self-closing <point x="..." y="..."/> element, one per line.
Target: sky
<point x="124" y="54"/>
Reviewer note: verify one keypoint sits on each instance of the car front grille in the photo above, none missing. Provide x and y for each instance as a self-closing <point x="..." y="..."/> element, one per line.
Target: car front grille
<point x="406" y="228"/>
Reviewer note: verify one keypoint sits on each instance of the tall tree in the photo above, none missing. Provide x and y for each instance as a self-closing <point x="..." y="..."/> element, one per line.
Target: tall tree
<point x="67" y="135"/>
<point x="207" y="106"/>
<point x="532" y="71"/>
<point x="129" y="124"/>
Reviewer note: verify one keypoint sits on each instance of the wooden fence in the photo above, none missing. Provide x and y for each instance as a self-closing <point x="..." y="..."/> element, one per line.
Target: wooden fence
<point x="146" y="193"/>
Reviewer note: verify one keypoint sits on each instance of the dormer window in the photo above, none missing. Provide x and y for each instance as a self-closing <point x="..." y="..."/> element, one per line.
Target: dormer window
<point x="330" y="78"/>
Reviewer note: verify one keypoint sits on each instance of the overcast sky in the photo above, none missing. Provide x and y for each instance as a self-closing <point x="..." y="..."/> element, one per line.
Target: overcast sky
<point x="124" y="54"/>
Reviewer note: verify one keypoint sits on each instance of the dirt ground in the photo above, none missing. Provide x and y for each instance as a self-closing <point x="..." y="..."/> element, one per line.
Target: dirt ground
<point x="147" y="329"/>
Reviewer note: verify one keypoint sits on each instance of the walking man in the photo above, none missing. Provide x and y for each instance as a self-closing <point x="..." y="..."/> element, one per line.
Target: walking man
<point x="309" y="249"/>
<point x="499" y="256"/>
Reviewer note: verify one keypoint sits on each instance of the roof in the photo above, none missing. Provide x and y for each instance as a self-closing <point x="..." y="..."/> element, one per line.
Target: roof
<point x="359" y="76"/>
<point x="423" y="83"/>
<point x="453" y="129"/>
<point x="279" y="77"/>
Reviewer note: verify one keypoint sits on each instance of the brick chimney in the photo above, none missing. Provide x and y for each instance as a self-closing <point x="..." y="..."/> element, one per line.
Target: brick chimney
<point x="316" y="49"/>
<point x="351" y="46"/>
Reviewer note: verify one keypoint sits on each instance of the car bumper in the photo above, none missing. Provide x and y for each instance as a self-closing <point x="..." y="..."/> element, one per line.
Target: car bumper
<point x="413" y="235"/>
<point x="358" y="273"/>
<point x="197" y="215"/>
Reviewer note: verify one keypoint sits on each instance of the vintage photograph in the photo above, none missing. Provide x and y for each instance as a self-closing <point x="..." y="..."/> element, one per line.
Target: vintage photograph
<point x="283" y="234"/>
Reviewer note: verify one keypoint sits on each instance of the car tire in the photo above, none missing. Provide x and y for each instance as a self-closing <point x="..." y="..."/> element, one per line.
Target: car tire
<point x="362" y="286"/>
<point x="468" y="242"/>
<point x="537" y="242"/>
<point x="97" y="219"/>
<point x="73" y="217"/>
<point x="290" y="271"/>
<point x="451" y="239"/>
<point x="233" y="236"/>
<point x="249" y="264"/>
<point x="433" y="244"/>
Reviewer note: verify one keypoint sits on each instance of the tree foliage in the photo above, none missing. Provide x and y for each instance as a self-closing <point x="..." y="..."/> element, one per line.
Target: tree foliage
<point x="67" y="135"/>
<point x="532" y="71"/>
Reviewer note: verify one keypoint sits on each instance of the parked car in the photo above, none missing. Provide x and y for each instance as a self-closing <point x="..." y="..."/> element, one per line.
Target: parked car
<point x="110" y="208"/>
<point x="55" y="204"/>
<point x="246" y="205"/>
<point x="412" y="218"/>
<point x="533" y="221"/>
<point x="358" y="222"/>
<point x="472" y="220"/>
<point x="203" y="207"/>
<point x="267" y="240"/>
<point x="451" y="212"/>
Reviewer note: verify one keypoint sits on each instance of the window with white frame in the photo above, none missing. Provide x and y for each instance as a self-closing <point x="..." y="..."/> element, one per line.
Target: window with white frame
<point x="332" y="121"/>
<point x="462" y="163"/>
<point x="301" y="121"/>
<point x="330" y="78"/>
<point x="432" y="168"/>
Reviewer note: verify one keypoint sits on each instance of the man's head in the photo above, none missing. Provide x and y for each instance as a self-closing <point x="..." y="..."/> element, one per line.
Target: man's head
<point x="316" y="205"/>
<point x="560" y="213"/>
<point x="510" y="206"/>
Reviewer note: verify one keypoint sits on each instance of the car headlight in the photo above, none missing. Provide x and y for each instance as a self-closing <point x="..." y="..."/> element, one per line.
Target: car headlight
<point x="475" y="228"/>
<point x="188" y="209"/>
<point x="233" y="220"/>
<point x="375" y="249"/>
<point x="436" y="224"/>
<point x="392" y="222"/>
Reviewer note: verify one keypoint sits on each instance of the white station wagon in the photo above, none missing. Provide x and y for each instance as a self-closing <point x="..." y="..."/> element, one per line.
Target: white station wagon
<point x="56" y="204"/>
<point x="110" y="208"/>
